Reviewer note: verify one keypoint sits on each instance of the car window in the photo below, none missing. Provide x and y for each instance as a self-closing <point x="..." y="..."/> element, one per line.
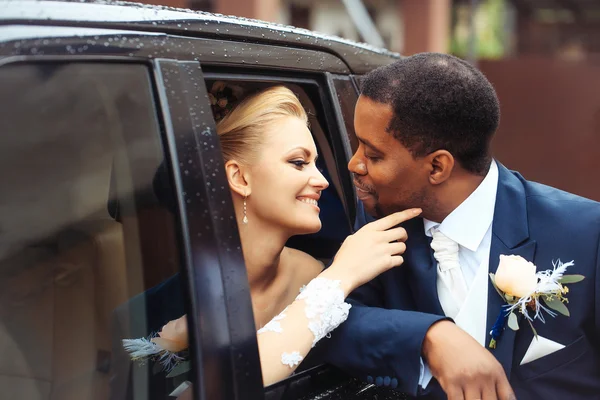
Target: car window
<point x="335" y="223"/>
<point x="346" y="96"/>
<point x="321" y="245"/>
<point x="88" y="253"/>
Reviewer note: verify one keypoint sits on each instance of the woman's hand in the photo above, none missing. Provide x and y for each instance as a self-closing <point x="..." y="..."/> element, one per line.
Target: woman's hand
<point x="372" y="250"/>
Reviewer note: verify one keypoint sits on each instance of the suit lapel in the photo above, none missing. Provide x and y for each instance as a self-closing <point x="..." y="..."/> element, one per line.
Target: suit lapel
<point x="510" y="236"/>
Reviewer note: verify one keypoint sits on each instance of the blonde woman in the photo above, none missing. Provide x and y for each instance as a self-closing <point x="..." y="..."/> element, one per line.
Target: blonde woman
<point x="269" y="156"/>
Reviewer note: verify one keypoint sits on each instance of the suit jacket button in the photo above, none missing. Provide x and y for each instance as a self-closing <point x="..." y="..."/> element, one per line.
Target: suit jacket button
<point x="394" y="383"/>
<point x="386" y="381"/>
<point x="369" y="379"/>
<point x="378" y="381"/>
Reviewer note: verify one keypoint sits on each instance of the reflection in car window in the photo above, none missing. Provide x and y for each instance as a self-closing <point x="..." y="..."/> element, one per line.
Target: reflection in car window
<point x="88" y="257"/>
<point x="347" y="97"/>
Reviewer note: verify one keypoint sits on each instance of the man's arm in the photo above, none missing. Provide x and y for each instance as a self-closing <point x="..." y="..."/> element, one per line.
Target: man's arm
<point x="376" y="342"/>
<point x="379" y="342"/>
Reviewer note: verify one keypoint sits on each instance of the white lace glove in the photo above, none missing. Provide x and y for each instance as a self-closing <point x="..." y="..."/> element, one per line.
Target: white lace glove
<point x="325" y="309"/>
<point x="325" y="306"/>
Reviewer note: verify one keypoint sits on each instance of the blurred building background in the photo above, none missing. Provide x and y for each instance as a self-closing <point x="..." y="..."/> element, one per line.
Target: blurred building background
<point x="543" y="57"/>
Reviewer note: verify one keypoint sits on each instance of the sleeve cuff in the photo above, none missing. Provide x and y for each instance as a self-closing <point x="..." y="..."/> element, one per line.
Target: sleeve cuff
<point x="424" y="374"/>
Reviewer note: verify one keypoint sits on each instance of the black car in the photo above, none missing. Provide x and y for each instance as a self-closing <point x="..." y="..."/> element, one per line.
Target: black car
<point x="115" y="211"/>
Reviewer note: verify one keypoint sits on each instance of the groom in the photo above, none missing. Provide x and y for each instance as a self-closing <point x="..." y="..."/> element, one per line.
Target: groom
<point x="425" y="124"/>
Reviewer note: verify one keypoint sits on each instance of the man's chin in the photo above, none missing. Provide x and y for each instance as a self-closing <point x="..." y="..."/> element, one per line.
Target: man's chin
<point x="373" y="209"/>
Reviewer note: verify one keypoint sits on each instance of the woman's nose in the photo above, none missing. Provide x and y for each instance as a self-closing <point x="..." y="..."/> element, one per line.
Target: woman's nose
<point x="319" y="181"/>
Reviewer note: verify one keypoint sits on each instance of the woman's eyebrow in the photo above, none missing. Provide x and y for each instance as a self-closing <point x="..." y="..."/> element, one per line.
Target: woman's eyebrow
<point x="305" y="150"/>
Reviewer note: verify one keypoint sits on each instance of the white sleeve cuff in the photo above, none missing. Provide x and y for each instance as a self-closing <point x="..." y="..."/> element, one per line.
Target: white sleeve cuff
<point x="424" y="374"/>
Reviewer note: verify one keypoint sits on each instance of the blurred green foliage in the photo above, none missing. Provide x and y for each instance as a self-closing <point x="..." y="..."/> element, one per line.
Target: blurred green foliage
<point x="490" y="34"/>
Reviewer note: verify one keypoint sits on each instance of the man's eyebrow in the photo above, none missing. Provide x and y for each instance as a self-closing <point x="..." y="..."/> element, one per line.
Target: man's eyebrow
<point x="369" y="144"/>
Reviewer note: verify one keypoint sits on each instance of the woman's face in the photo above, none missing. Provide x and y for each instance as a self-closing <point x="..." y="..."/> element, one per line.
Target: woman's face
<point x="285" y="182"/>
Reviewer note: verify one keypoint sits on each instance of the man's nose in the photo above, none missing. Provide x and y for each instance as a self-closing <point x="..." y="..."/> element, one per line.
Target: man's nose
<point x="356" y="165"/>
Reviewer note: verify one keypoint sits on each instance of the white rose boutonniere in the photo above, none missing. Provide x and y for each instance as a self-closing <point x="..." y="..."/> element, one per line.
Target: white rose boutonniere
<point x="524" y="289"/>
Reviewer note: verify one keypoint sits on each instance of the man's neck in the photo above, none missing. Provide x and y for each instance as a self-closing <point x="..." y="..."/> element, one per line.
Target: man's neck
<point x="452" y="195"/>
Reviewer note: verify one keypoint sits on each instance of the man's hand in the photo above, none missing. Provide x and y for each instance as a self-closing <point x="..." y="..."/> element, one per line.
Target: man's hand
<point x="464" y="369"/>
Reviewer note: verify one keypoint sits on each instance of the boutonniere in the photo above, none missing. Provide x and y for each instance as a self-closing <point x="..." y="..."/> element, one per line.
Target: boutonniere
<point x="168" y="348"/>
<point x="529" y="293"/>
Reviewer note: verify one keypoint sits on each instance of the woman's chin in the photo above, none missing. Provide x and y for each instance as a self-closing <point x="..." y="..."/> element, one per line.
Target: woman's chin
<point x="308" y="228"/>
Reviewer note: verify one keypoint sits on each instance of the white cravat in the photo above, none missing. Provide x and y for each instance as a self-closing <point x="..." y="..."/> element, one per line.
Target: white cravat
<point x="451" y="286"/>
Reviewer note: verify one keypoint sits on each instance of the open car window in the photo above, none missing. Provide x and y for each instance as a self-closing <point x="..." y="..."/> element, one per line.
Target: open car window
<point x="336" y="223"/>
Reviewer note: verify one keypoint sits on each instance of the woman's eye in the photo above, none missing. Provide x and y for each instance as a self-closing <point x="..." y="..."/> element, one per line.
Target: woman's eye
<point x="299" y="163"/>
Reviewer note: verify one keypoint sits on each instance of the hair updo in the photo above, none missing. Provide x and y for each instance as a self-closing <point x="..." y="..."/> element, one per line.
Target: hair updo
<point x="241" y="131"/>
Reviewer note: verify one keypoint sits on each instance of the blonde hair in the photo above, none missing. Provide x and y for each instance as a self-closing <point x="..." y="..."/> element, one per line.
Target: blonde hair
<point x="241" y="132"/>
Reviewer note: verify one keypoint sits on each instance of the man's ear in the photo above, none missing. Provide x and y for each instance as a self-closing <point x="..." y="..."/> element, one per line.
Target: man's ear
<point x="238" y="178"/>
<point x="441" y="164"/>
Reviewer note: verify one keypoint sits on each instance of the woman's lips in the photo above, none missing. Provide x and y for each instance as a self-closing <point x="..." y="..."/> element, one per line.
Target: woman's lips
<point x="310" y="201"/>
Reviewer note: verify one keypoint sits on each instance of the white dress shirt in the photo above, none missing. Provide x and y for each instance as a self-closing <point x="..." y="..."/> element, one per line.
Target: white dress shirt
<point x="469" y="225"/>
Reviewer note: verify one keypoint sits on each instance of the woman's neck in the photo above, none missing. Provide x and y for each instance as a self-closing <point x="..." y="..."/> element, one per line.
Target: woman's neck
<point x="262" y="247"/>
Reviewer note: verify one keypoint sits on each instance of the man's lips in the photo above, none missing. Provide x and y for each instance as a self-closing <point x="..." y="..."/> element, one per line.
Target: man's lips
<point x="362" y="192"/>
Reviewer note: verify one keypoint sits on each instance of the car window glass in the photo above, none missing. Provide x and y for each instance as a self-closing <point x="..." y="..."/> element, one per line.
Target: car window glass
<point x="347" y="97"/>
<point x="88" y="255"/>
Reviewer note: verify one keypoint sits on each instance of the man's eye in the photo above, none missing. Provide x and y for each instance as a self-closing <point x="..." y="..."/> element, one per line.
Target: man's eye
<point x="372" y="158"/>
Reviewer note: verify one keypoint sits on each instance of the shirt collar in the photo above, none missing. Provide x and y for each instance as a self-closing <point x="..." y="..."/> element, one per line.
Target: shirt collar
<point x="469" y="222"/>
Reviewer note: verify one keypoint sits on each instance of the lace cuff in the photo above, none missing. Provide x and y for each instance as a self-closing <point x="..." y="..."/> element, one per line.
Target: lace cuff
<point x="325" y="306"/>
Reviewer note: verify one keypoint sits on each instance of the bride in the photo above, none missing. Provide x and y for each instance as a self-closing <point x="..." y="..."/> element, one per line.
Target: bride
<point x="269" y="156"/>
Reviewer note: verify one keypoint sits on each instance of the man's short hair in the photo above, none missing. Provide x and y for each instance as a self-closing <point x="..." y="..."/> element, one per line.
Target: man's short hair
<point x="439" y="102"/>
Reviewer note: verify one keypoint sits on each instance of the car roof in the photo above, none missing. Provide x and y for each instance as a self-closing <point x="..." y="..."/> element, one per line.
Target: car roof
<point x="359" y="57"/>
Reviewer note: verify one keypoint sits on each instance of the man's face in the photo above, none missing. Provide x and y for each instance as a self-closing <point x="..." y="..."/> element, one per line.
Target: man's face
<point x="386" y="176"/>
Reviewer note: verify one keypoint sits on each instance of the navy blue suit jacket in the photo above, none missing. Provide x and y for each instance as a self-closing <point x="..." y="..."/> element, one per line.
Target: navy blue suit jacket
<point x="382" y="338"/>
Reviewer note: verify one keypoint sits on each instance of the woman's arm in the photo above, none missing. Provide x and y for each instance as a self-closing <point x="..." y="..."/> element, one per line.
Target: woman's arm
<point x="320" y="307"/>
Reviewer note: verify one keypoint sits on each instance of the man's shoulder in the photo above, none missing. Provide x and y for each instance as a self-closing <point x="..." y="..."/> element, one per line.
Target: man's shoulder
<point x="539" y="192"/>
<point x="559" y="205"/>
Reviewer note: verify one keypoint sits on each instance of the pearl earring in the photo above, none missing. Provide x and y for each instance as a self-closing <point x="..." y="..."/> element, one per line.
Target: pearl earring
<point x="245" y="219"/>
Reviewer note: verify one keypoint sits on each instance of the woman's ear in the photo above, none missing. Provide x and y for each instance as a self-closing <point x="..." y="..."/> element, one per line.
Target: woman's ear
<point x="441" y="164"/>
<point x="238" y="178"/>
